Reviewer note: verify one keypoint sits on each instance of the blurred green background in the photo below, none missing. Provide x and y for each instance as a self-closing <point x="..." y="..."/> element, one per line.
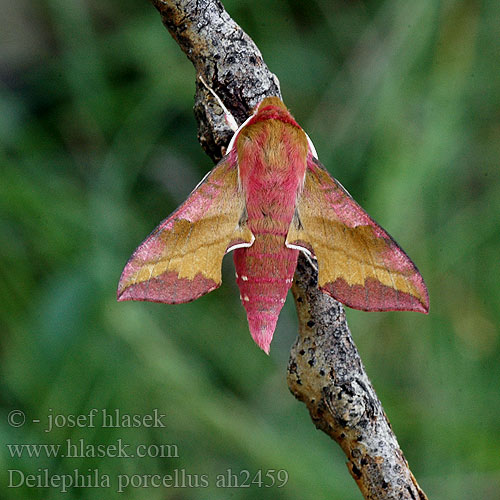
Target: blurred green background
<point x="98" y="144"/>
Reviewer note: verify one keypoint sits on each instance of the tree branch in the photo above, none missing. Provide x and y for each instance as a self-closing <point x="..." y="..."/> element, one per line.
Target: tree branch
<point x="325" y="370"/>
<point x="228" y="60"/>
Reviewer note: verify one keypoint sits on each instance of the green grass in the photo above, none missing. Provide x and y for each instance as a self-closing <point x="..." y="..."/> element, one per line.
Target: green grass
<point x="98" y="144"/>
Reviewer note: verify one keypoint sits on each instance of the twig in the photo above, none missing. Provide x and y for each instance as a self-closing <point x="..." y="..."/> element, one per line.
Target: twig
<point x="228" y="60"/>
<point x="325" y="370"/>
<point x="327" y="374"/>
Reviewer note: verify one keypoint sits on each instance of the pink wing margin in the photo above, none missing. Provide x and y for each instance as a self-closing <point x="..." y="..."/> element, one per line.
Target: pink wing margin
<point x="181" y="259"/>
<point x="359" y="263"/>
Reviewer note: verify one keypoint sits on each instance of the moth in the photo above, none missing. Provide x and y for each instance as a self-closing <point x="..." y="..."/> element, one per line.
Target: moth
<point x="268" y="199"/>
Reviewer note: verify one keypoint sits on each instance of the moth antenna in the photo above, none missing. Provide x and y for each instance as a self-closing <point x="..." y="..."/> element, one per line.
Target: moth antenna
<point x="311" y="146"/>
<point x="230" y="120"/>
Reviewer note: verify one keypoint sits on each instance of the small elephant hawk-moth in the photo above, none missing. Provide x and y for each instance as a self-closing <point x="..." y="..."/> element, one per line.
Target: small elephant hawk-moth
<point x="268" y="199"/>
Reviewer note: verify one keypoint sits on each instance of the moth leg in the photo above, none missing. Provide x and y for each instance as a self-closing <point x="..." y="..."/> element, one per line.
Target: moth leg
<point x="311" y="260"/>
<point x="307" y="253"/>
<point x="230" y="120"/>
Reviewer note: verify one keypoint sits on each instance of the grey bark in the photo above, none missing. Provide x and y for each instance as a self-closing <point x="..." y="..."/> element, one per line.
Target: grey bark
<point x="228" y="60"/>
<point x="325" y="370"/>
